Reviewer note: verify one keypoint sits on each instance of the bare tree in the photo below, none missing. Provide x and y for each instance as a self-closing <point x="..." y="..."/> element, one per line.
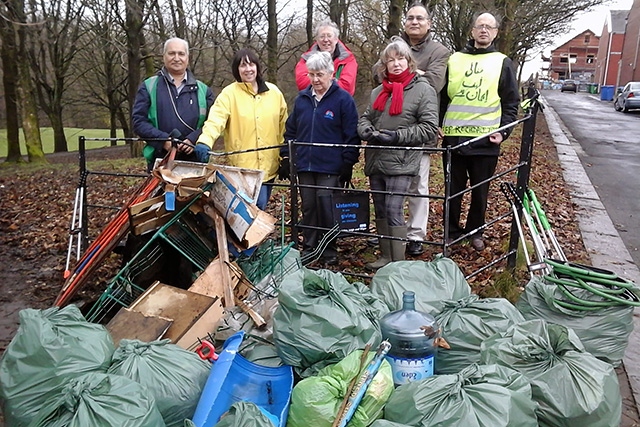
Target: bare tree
<point x="52" y="48"/>
<point x="101" y="65"/>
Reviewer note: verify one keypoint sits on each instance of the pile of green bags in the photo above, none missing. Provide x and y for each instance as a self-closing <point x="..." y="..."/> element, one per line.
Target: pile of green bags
<point x="571" y="386"/>
<point x="322" y="318"/>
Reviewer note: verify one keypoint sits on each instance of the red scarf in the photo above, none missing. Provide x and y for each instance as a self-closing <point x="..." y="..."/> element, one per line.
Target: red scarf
<point x="393" y="85"/>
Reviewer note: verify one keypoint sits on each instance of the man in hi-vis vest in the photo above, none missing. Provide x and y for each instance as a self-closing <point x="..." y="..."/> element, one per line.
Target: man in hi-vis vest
<point x="171" y="107"/>
<point x="480" y="96"/>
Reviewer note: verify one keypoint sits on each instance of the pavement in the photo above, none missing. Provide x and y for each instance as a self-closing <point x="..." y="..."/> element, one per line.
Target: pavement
<point x="605" y="248"/>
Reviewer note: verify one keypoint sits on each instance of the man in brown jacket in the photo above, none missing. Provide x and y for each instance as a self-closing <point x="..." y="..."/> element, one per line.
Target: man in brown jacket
<point x="431" y="58"/>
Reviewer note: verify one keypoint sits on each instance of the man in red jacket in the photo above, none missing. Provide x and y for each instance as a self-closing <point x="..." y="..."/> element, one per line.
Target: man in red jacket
<point x="344" y="63"/>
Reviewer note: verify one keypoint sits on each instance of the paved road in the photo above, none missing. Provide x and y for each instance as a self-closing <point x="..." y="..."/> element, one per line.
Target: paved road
<point x="610" y="154"/>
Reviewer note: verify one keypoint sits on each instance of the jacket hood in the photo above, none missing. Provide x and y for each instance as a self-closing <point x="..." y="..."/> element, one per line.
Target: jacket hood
<point x="471" y="49"/>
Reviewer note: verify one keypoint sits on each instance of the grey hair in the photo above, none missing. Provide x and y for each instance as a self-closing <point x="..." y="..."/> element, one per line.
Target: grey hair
<point x="328" y="23"/>
<point x="175" y="39"/>
<point x="320" y="61"/>
<point x="418" y="4"/>
<point x="400" y="48"/>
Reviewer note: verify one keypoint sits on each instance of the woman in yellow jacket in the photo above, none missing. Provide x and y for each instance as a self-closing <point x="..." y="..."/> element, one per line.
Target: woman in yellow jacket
<point x="252" y="114"/>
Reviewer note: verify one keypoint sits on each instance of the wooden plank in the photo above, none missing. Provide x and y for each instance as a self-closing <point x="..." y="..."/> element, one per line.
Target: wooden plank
<point x="184" y="307"/>
<point x="133" y="325"/>
<point x="223" y="255"/>
<point x="209" y="282"/>
<point x="204" y="326"/>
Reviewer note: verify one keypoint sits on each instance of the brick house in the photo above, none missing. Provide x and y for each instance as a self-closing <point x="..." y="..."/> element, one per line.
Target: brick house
<point x="630" y="60"/>
<point x="610" y="48"/>
<point x="576" y="59"/>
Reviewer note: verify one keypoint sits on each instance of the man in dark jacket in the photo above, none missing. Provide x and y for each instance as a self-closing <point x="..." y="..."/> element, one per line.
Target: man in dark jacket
<point x="481" y="95"/>
<point x="172" y="107"/>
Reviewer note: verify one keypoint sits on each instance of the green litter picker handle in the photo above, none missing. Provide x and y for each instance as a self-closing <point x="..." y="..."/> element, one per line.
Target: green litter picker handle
<point x="538" y="207"/>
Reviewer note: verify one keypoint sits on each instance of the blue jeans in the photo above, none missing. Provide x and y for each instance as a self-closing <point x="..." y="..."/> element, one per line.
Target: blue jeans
<point x="264" y="195"/>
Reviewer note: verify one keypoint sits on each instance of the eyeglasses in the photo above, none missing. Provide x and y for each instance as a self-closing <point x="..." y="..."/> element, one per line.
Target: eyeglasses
<point x="325" y="36"/>
<point x="484" y="27"/>
<point x="418" y="18"/>
<point x="316" y="75"/>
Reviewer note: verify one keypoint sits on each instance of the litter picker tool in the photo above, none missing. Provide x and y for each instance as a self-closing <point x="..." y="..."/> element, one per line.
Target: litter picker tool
<point x="356" y="395"/>
<point x="538" y="244"/>
<point x="75" y="228"/>
<point x="511" y="195"/>
<point x="553" y="246"/>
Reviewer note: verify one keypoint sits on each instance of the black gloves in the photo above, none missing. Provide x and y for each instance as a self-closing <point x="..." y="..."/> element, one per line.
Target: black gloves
<point x="346" y="171"/>
<point x="387" y="137"/>
<point x="284" y="171"/>
<point x="367" y="133"/>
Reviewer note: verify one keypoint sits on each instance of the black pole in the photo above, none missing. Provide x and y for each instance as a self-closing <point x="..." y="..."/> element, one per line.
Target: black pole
<point x="293" y="191"/>
<point x="446" y="164"/>
<point x="524" y="171"/>
<point x="82" y="160"/>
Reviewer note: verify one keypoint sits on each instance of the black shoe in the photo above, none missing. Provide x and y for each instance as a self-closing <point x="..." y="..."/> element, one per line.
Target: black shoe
<point x="415" y="248"/>
<point x="373" y="241"/>
<point x="477" y="243"/>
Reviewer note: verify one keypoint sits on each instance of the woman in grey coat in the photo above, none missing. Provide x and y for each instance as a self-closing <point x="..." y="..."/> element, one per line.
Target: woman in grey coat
<point x="403" y="113"/>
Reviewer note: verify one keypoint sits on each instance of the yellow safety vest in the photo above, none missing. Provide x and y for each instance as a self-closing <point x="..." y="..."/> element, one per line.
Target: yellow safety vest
<point x="474" y="108"/>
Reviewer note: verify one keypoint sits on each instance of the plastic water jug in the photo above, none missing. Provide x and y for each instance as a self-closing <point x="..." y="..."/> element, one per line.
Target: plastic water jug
<point x="412" y="336"/>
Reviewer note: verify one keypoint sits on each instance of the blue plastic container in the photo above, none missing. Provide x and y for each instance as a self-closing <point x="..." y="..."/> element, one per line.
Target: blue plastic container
<point x="606" y="93"/>
<point x="412" y="336"/>
<point x="233" y="378"/>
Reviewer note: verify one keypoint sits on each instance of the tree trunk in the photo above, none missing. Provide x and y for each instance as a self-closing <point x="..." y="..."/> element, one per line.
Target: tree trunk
<point x="395" y="17"/>
<point x="134" y="42"/>
<point x="272" y="42"/>
<point x="10" y="82"/>
<point x="59" y="138"/>
<point x="335" y="12"/>
<point x="25" y="89"/>
<point x="309" y="25"/>
<point x="113" y="129"/>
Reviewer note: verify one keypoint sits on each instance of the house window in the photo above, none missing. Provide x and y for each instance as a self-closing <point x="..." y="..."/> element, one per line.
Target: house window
<point x="564" y="58"/>
<point x="587" y="38"/>
<point x="591" y="59"/>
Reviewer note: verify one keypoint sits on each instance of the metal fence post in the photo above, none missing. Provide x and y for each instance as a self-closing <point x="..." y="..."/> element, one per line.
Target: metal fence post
<point x="524" y="172"/>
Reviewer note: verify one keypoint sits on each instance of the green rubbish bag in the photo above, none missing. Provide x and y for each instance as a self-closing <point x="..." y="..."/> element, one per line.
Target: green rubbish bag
<point x="385" y="423"/>
<point x="465" y="323"/>
<point x="478" y="396"/>
<point x="322" y="318"/>
<point x="50" y="347"/>
<point x="571" y="386"/>
<point x="604" y="332"/>
<point x="100" y="400"/>
<point x="247" y="414"/>
<point x="315" y="400"/>
<point x="174" y="376"/>
<point x="433" y="282"/>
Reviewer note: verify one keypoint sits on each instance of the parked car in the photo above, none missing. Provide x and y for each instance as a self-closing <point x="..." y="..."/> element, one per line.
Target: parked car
<point x="628" y="98"/>
<point x="569" y="86"/>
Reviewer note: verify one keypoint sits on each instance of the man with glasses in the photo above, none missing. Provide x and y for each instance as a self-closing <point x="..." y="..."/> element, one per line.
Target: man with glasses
<point x="344" y="63"/>
<point x="431" y="58"/>
<point x="172" y="105"/>
<point x="480" y="96"/>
